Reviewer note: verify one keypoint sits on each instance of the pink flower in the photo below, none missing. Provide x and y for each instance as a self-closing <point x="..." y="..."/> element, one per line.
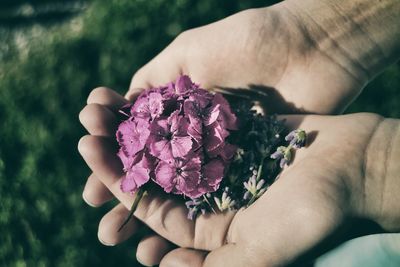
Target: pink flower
<point x="225" y="151"/>
<point x="137" y="170"/>
<point x="132" y="136"/>
<point x="215" y="136"/>
<point x="179" y="176"/>
<point x="180" y="130"/>
<point x="182" y="87"/>
<point x="149" y="106"/>
<point x="221" y="112"/>
<point x="169" y="138"/>
<point x="212" y="174"/>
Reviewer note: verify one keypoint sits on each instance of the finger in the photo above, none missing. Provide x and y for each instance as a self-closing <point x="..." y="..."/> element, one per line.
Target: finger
<point x="162" y="213"/>
<point x="164" y="68"/>
<point x="98" y="120"/>
<point x="95" y="193"/>
<point x="232" y="255"/>
<point x="106" y="97"/>
<point x="152" y="249"/>
<point x="183" y="257"/>
<point x="108" y="227"/>
<point x="100" y="155"/>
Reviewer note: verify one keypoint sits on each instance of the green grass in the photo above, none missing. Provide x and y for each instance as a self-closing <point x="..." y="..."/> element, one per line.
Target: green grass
<point x="43" y="86"/>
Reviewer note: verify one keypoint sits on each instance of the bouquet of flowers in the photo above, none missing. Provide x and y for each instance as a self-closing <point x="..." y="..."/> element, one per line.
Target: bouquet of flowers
<point x="217" y="155"/>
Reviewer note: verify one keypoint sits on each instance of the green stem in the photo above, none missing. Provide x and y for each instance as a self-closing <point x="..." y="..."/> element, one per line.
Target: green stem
<point x="209" y="204"/>
<point x="259" y="172"/>
<point x="139" y="195"/>
<point x="260" y="168"/>
<point x="253" y="198"/>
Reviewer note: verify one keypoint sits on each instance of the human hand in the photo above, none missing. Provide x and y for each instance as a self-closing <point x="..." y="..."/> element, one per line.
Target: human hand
<point x="263" y="53"/>
<point x="283" y="51"/>
<point x="321" y="189"/>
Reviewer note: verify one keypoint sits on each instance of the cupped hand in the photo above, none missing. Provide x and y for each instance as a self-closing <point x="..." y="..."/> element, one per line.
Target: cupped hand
<point x="268" y="53"/>
<point x="322" y="188"/>
<point x="265" y="53"/>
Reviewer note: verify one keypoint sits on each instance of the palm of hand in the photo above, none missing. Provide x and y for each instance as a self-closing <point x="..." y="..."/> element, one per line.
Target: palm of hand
<point x="265" y="50"/>
<point x="312" y="197"/>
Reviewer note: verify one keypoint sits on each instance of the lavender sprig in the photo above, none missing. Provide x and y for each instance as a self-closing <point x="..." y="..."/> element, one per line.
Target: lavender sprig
<point x="297" y="139"/>
<point x="225" y="202"/>
<point x="195" y="206"/>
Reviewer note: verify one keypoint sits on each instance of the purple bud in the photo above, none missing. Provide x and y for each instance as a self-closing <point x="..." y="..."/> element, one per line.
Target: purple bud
<point x="260" y="184"/>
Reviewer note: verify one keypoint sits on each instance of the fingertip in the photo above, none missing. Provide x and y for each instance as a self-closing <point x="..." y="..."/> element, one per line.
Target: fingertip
<point x="108" y="231"/>
<point x="152" y="249"/>
<point x="183" y="257"/>
<point x="95" y="193"/>
<point x="87" y="201"/>
<point x="83" y="144"/>
<point x="98" y="120"/>
<point x="107" y="97"/>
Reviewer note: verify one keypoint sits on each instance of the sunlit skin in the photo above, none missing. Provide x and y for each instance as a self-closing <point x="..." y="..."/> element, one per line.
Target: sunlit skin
<point x="261" y="48"/>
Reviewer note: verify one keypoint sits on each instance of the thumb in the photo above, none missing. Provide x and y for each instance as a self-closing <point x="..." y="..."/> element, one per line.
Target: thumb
<point x="296" y="214"/>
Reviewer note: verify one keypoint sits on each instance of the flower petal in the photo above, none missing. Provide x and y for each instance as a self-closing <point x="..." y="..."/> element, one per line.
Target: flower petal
<point x="181" y="145"/>
<point x="215" y="136"/>
<point x="213" y="172"/>
<point x="183" y="84"/>
<point x="227" y="117"/>
<point x="161" y="149"/>
<point x="132" y="136"/>
<point x="165" y="174"/>
<point x="128" y="184"/>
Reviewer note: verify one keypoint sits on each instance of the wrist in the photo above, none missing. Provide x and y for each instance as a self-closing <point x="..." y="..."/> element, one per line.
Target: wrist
<point x="382" y="176"/>
<point x="360" y="36"/>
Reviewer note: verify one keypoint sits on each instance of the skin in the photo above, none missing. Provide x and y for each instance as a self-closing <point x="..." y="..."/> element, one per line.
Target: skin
<point x="283" y="51"/>
<point x="334" y="179"/>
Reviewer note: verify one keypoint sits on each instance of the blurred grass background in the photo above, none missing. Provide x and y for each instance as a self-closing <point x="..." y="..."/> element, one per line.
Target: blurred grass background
<point x="52" y="53"/>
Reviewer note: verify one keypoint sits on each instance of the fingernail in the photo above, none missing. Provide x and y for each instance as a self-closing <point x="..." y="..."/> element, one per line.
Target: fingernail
<point x="138" y="260"/>
<point x="105" y="243"/>
<point x="87" y="201"/>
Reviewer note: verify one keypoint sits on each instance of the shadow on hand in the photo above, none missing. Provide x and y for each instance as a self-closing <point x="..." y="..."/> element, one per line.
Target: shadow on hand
<point x="268" y="98"/>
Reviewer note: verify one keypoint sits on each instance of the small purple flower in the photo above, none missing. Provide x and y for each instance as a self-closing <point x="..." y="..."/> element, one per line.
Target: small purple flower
<point x="132" y="136"/>
<point x="194" y="206"/>
<point x="225" y="151"/>
<point x="211" y="177"/>
<point x="214" y="137"/>
<point x="149" y="107"/>
<point x="169" y="139"/>
<point x="297" y="138"/>
<point x="225" y="202"/>
<point x="284" y="154"/>
<point x="179" y="176"/>
<point x="137" y="171"/>
<point x="221" y="111"/>
<point x="184" y="85"/>
<point x="253" y="188"/>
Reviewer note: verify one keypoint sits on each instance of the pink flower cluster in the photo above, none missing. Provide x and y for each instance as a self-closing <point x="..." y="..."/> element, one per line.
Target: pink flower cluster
<point x="176" y="136"/>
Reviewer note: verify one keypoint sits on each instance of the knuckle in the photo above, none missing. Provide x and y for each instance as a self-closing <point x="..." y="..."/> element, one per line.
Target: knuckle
<point x="97" y="94"/>
<point x="184" y="36"/>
